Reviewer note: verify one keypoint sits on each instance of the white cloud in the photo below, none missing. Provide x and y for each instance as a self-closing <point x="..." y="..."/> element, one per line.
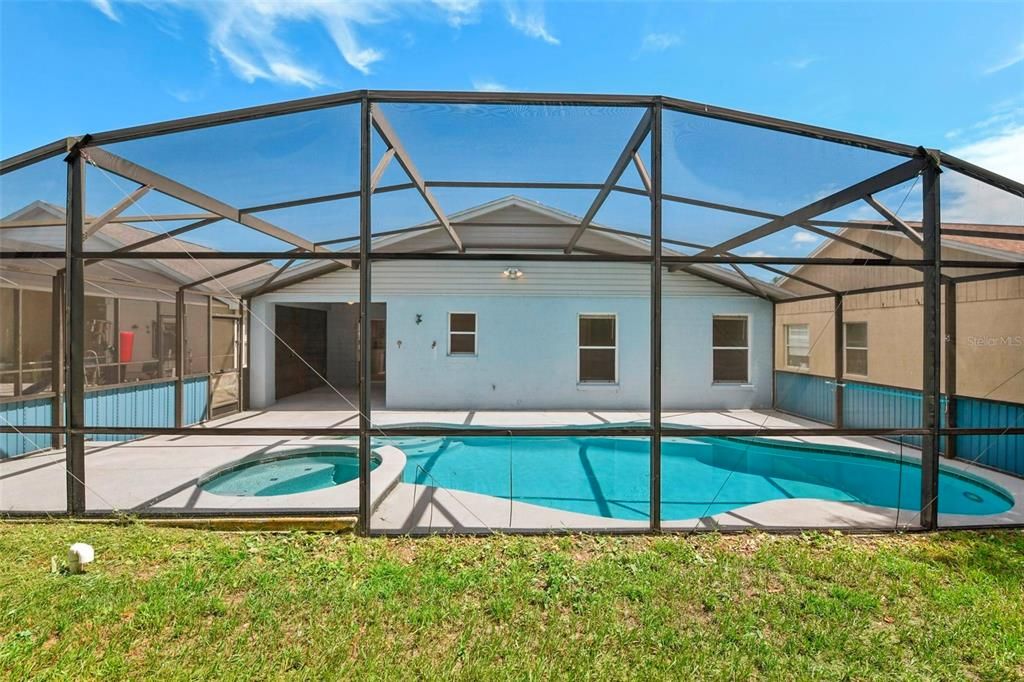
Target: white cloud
<point x="971" y="201"/>
<point x="184" y="95"/>
<point x="758" y="254"/>
<point x="805" y="238"/>
<point x="460" y="12"/>
<point x="530" y="20"/>
<point x="800" y="63"/>
<point x="249" y="34"/>
<point x="339" y="25"/>
<point x="106" y="8"/>
<point x="996" y="144"/>
<point x="1015" y="57"/>
<point x="1006" y="113"/>
<point x="295" y="74"/>
<point x="1002" y="151"/>
<point x="827" y="189"/>
<point x="658" y="42"/>
<point x="489" y="86"/>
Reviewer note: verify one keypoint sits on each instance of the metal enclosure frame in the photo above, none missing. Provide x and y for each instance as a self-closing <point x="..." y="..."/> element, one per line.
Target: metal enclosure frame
<point x="69" y="367"/>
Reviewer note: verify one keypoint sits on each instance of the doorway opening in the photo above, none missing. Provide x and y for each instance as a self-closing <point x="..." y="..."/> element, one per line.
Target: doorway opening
<point x="300" y="352"/>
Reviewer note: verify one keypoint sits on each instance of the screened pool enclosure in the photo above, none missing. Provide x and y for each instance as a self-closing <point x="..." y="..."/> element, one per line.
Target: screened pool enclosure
<point x="478" y="312"/>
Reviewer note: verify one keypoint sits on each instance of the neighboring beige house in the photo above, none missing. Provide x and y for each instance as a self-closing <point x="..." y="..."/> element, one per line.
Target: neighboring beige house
<point x="883" y="336"/>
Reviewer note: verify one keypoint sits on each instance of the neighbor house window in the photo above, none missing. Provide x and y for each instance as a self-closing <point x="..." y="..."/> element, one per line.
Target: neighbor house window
<point x="597" y="349"/>
<point x="730" y="350"/>
<point x="461" y="333"/>
<point x="856" y="348"/>
<point x="798" y="345"/>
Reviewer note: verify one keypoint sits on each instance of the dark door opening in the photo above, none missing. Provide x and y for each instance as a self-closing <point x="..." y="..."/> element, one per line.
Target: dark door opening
<point x="300" y="350"/>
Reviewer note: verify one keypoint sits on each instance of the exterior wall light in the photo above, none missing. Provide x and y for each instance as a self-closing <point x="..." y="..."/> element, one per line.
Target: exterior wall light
<point x="512" y="273"/>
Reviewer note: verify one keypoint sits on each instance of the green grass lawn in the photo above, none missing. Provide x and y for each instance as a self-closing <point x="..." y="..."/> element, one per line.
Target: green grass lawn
<point x="180" y="604"/>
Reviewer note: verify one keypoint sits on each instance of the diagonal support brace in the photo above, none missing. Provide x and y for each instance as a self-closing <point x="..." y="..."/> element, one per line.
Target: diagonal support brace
<point x="133" y="171"/>
<point x="876" y="183"/>
<point x="625" y="157"/>
<point x="390" y="137"/>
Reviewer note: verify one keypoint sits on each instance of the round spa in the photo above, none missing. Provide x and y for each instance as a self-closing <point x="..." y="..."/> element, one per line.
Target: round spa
<point x="286" y="473"/>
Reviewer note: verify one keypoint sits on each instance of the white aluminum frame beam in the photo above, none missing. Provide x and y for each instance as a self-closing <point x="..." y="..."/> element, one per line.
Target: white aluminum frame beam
<point x="884" y="211"/>
<point x="876" y="183"/>
<point x="390" y="137"/>
<point x="382" y="165"/>
<point x="115" y="210"/>
<point x="628" y="154"/>
<point x="133" y="171"/>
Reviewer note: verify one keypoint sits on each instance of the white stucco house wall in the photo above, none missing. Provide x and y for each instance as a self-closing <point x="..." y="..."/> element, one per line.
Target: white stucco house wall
<point x="526" y="353"/>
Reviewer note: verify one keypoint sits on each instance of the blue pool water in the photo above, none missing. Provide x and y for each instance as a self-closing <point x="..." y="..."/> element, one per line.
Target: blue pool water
<point x="287" y="475"/>
<point x="609" y="477"/>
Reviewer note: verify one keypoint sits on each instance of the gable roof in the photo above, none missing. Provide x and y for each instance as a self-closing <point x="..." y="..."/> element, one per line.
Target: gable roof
<point x="115" y="235"/>
<point x="510" y="223"/>
<point x="514" y="223"/>
<point x="954" y="247"/>
<point x="1014" y="247"/>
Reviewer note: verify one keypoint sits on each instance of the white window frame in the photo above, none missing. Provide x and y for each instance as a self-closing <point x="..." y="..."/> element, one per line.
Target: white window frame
<point x="749" y="348"/>
<point x="786" y="344"/>
<point x="579" y="348"/>
<point x="847" y="348"/>
<point x="476" y="338"/>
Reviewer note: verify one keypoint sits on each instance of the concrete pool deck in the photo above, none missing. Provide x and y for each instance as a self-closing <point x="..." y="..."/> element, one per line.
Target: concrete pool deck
<point x="163" y="473"/>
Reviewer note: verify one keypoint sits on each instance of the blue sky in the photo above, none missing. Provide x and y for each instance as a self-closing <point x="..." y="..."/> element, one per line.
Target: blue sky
<point x="939" y="74"/>
<point x="867" y="67"/>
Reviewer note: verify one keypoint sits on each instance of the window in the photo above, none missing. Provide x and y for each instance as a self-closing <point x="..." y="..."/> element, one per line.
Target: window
<point x="224" y="356"/>
<point x="101" y="341"/>
<point x="225" y="338"/>
<point x="146" y="338"/>
<point x="461" y="333"/>
<point x="8" y="342"/>
<point x="856" y="348"/>
<point x="224" y="393"/>
<point x="597" y="350"/>
<point x="730" y="350"/>
<point x="26" y="338"/>
<point x="36" y="342"/>
<point x="165" y="343"/>
<point x="798" y="346"/>
<point x="197" y="338"/>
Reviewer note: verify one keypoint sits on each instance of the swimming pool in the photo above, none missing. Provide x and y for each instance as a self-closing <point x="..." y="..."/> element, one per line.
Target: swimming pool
<point x="286" y="475"/>
<point x="609" y="477"/>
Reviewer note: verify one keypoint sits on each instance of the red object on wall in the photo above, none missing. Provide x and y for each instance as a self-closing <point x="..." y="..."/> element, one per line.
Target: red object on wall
<point x="127" y="344"/>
